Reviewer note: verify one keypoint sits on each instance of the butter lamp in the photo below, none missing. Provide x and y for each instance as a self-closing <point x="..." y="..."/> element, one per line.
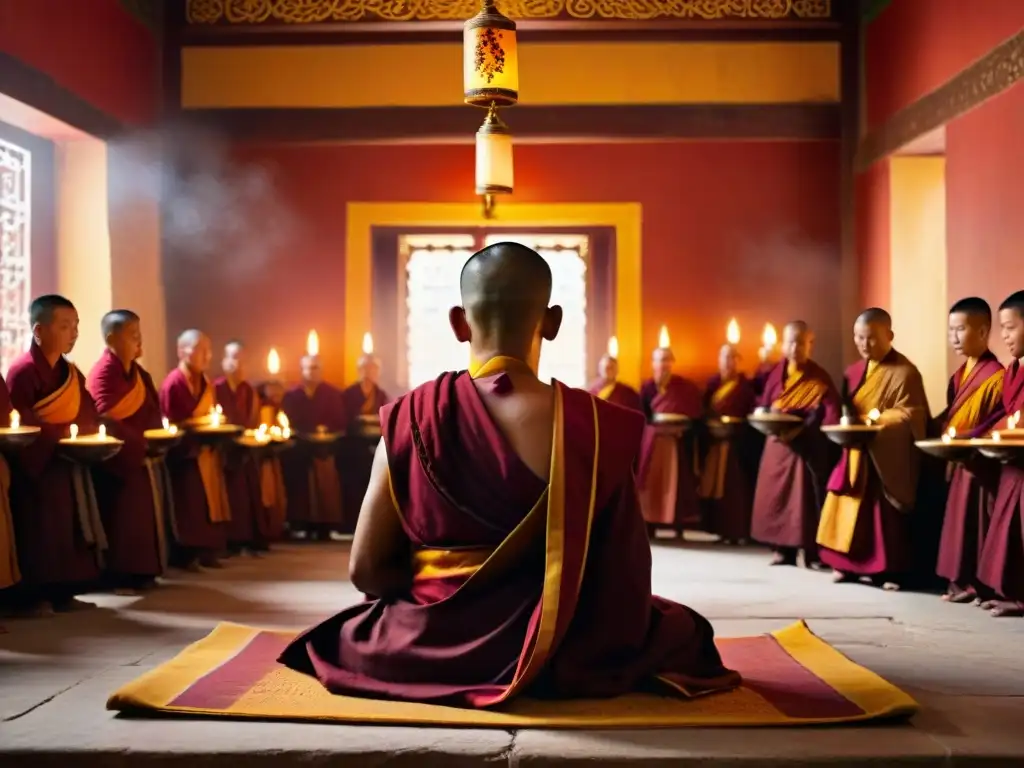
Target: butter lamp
<point x="490" y="71"/>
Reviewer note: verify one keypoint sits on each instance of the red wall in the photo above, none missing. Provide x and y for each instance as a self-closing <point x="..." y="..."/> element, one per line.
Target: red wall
<point x="985" y="200"/>
<point x="915" y="46"/>
<point x="744" y="229"/>
<point x="872" y="206"/>
<point x="93" y="48"/>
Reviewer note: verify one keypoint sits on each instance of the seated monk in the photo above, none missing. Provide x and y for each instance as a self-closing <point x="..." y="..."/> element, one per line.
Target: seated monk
<point x="665" y="474"/>
<point x="1001" y="565"/>
<point x="490" y="491"/>
<point x="974" y="404"/>
<point x="795" y="465"/>
<point x="272" y="492"/>
<point x="311" y="475"/>
<point x="729" y="468"/>
<point x="247" y="530"/>
<point x="57" y="525"/>
<point x="608" y="387"/>
<point x="201" y="508"/>
<point x="10" y="574"/>
<point x="130" y="488"/>
<point x="865" y="521"/>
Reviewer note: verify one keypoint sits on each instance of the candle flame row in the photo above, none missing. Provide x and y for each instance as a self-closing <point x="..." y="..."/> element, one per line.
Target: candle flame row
<point x="312" y="350"/>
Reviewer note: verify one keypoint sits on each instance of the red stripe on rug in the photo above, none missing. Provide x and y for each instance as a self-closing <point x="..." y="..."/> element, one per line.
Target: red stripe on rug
<point x="770" y="672"/>
<point x="219" y="689"/>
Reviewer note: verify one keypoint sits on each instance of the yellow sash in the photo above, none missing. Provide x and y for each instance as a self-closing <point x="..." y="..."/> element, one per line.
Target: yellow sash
<point x="606" y="391"/>
<point x="712" y="476"/>
<point x="840" y="511"/>
<point x="9" y="572"/>
<point x="211" y="469"/>
<point x="723" y="391"/>
<point x="496" y="365"/>
<point x="369" y="401"/>
<point x="800" y="392"/>
<point x="129" y="405"/>
<point x="984" y="400"/>
<point x="61" y="406"/>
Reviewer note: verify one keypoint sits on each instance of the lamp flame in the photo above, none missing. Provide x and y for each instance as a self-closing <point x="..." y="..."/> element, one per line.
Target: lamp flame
<point x="282" y="419"/>
<point x="664" y="341"/>
<point x="769" y="338"/>
<point x="1013" y="421"/>
<point x="312" y="344"/>
<point x="951" y="432"/>
<point x="732" y="333"/>
<point x="367" y="343"/>
<point x="15" y="420"/>
<point x="73" y="429"/>
<point x="273" y="362"/>
<point x="613" y="348"/>
<point x="103" y="432"/>
<point x="873" y="416"/>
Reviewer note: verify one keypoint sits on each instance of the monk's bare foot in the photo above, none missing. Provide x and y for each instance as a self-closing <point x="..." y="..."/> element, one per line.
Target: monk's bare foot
<point x="890" y="586"/>
<point x="957" y="595"/>
<point x="1007" y="610"/>
<point x="988" y="605"/>
<point x="838" y="577"/>
<point x="73" y="605"/>
<point x="781" y="558"/>
<point x="815" y="565"/>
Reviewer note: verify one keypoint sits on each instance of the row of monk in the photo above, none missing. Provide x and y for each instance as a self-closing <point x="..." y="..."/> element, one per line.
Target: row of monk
<point x="66" y="527"/>
<point x="874" y="515"/>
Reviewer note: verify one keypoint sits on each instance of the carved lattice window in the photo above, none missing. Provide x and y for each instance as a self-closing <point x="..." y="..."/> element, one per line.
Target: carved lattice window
<point x="15" y="251"/>
<point x="433" y="265"/>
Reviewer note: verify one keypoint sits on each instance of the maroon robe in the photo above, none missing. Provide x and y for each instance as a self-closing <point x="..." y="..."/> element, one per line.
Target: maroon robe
<point x="619" y="394"/>
<point x="357" y="403"/>
<point x="325" y="408"/>
<point x="729" y="467"/>
<point x="761" y="376"/>
<point x="792" y="475"/>
<point x="130" y="502"/>
<point x="194" y="529"/>
<point x="60" y="544"/>
<point x="973" y="406"/>
<point x="668" y="483"/>
<point x="250" y="523"/>
<point x="1001" y="565"/>
<point x="355" y="458"/>
<point x="10" y="574"/>
<point x="876" y="538"/>
<point x="534" y="621"/>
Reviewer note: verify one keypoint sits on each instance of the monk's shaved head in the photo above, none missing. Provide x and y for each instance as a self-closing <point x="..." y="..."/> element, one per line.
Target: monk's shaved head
<point x="797" y="326"/>
<point x="1011" y="323"/>
<point x="116" y="320"/>
<point x="974" y="307"/>
<point x="1014" y="301"/>
<point x="505" y="290"/>
<point x="188" y="339"/>
<point x="797" y="341"/>
<point x="43" y="308"/>
<point x="970" y="322"/>
<point x="875" y="316"/>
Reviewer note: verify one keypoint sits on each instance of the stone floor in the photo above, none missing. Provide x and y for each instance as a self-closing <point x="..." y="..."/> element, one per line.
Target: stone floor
<point x="966" y="669"/>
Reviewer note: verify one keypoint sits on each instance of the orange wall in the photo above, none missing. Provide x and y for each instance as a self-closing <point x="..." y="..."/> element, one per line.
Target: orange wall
<point x="915" y="46"/>
<point x="93" y="48"/>
<point x="985" y="198"/>
<point x="744" y="229"/>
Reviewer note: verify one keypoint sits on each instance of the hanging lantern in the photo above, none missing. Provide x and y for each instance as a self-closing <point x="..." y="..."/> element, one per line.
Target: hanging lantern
<point x="490" y="72"/>
<point x="494" y="157"/>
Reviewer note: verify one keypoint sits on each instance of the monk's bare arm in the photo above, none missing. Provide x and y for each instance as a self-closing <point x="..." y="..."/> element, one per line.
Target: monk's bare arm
<point x="379" y="564"/>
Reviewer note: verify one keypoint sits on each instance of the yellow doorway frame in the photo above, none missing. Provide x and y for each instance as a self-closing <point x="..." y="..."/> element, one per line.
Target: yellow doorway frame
<point x="624" y="218"/>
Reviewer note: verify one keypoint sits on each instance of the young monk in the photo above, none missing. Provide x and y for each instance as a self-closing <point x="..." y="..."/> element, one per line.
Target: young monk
<point x="795" y="465"/>
<point x="974" y="404"/>
<point x="10" y="574"/>
<point x="57" y="525"/>
<point x="490" y="491"/>
<point x="201" y="508"/>
<point x="130" y="488"/>
<point x="864" y="528"/>
<point x="729" y="468"/>
<point x="310" y="475"/>
<point x="665" y="474"/>
<point x="608" y="387"/>
<point x="247" y="530"/>
<point x="1001" y="566"/>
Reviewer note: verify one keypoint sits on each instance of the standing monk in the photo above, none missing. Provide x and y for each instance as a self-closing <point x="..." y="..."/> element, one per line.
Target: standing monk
<point x="727" y="477"/>
<point x="57" y="525"/>
<point x="767" y="359"/>
<point x="10" y="574"/>
<point x="974" y="404"/>
<point x="490" y="491"/>
<point x="311" y="474"/>
<point x="1001" y="568"/>
<point x="668" y="483"/>
<point x="365" y="397"/>
<point x="272" y="490"/>
<point x="247" y="529"/>
<point x="201" y="510"/>
<point x="130" y="487"/>
<point x="608" y="387"/>
<point x="865" y="521"/>
<point x="795" y="466"/>
<point x="363" y="401"/>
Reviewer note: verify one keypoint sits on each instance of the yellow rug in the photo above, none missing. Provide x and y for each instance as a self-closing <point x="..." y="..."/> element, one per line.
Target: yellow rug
<point x="791" y="677"/>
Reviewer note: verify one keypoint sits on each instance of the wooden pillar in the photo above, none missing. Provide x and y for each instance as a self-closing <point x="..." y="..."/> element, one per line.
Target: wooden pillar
<point x="851" y="50"/>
